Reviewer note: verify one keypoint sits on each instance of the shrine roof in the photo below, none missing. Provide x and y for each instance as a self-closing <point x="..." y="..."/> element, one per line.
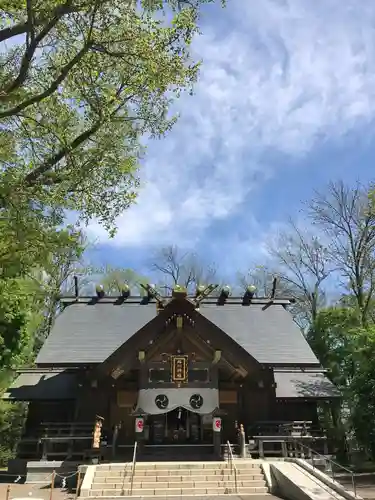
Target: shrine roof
<point x="88" y="330"/>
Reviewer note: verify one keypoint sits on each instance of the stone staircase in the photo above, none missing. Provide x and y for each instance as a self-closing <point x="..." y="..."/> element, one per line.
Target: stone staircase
<point x="176" y="479"/>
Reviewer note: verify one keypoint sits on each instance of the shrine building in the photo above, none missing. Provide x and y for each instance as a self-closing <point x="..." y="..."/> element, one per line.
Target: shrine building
<point x="172" y="373"/>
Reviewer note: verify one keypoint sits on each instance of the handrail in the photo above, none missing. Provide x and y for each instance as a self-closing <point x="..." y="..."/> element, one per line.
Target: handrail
<point x="233" y="467"/>
<point x="133" y="471"/>
<point x="133" y="467"/>
<point x="332" y="463"/>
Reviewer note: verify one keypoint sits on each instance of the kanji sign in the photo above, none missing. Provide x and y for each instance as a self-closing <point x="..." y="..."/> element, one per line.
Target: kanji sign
<point x="179" y="368"/>
<point x="216" y="424"/>
<point x="139" y="424"/>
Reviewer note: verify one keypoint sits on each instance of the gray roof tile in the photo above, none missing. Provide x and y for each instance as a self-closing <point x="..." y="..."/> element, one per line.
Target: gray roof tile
<point x="304" y="385"/>
<point x="269" y="334"/>
<point x="86" y="333"/>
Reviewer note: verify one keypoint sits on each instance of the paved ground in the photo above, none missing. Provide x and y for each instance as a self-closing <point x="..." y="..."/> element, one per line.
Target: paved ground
<point x="365" y="489"/>
<point x="34" y="492"/>
<point x="23" y="491"/>
<point x="365" y="485"/>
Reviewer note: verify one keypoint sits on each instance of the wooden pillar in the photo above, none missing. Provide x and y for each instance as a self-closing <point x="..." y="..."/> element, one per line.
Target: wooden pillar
<point x="216" y="423"/>
<point x="97" y="432"/>
<point x="45" y="449"/>
<point x="139" y="432"/>
<point x="114" y="440"/>
<point x="242" y="442"/>
<point x="96" y="438"/>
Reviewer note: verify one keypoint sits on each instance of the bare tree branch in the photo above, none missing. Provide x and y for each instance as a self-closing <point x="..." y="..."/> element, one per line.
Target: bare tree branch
<point x="303" y="264"/>
<point x="181" y="268"/>
<point x="345" y="216"/>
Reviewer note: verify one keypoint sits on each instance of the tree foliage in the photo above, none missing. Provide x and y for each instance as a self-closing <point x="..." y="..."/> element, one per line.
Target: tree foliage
<point x="347" y="350"/>
<point x="328" y="267"/>
<point x="12" y="419"/>
<point x="362" y="389"/>
<point x="332" y="337"/>
<point x="80" y="82"/>
<point x="18" y="315"/>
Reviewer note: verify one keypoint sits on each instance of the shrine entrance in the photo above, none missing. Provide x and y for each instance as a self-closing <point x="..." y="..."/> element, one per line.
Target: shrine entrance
<point x="178" y="427"/>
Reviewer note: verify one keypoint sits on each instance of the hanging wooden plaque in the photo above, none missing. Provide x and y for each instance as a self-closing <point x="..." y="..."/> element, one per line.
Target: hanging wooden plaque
<point x="179" y="368"/>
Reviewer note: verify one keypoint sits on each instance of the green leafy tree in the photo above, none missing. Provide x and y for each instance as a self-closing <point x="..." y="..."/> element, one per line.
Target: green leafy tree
<point x="12" y="419"/>
<point x="19" y="315"/>
<point x="362" y="389"/>
<point x="331" y="338"/>
<point x="56" y="277"/>
<point x="27" y="309"/>
<point x="80" y="82"/>
<point x="347" y="350"/>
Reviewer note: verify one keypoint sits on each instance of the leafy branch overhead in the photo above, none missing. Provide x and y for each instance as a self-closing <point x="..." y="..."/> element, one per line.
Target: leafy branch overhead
<point x="80" y="82"/>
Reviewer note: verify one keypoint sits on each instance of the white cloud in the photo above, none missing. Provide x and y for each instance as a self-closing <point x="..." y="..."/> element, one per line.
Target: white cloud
<point x="280" y="76"/>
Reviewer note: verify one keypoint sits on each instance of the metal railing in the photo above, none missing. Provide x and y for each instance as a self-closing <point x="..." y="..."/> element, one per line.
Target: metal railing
<point x="329" y="464"/>
<point x="134" y="461"/>
<point x="133" y="467"/>
<point x="233" y="468"/>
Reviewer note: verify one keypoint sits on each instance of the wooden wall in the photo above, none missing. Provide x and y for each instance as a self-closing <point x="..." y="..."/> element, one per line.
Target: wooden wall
<point x="49" y="411"/>
<point x="295" y="410"/>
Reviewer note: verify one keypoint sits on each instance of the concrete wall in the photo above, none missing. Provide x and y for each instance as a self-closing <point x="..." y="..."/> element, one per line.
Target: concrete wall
<point x="295" y="479"/>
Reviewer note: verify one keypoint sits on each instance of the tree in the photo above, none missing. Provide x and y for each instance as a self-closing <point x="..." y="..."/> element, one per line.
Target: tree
<point x="362" y="389"/>
<point x="12" y="419"/>
<point x="114" y="280"/>
<point x="335" y="337"/>
<point x="28" y="304"/>
<point x="176" y="267"/>
<point x="262" y="277"/>
<point x="56" y="277"/>
<point x="19" y="315"/>
<point x="344" y="214"/>
<point x="302" y="263"/>
<point x="331" y="337"/>
<point x="80" y="82"/>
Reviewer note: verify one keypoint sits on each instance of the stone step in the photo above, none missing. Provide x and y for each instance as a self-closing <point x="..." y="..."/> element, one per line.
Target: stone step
<point x="176" y="472"/>
<point x="186" y="474"/>
<point x="143" y="492"/>
<point x="178" y="484"/>
<point x="220" y="496"/>
<point x="243" y="464"/>
<point x="197" y="477"/>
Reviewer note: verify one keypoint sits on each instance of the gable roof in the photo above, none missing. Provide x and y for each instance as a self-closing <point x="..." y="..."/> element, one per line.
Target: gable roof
<point x="88" y="332"/>
<point x="269" y="334"/>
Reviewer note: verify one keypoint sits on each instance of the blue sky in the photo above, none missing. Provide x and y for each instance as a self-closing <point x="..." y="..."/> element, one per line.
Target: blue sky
<point x="285" y="102"/>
